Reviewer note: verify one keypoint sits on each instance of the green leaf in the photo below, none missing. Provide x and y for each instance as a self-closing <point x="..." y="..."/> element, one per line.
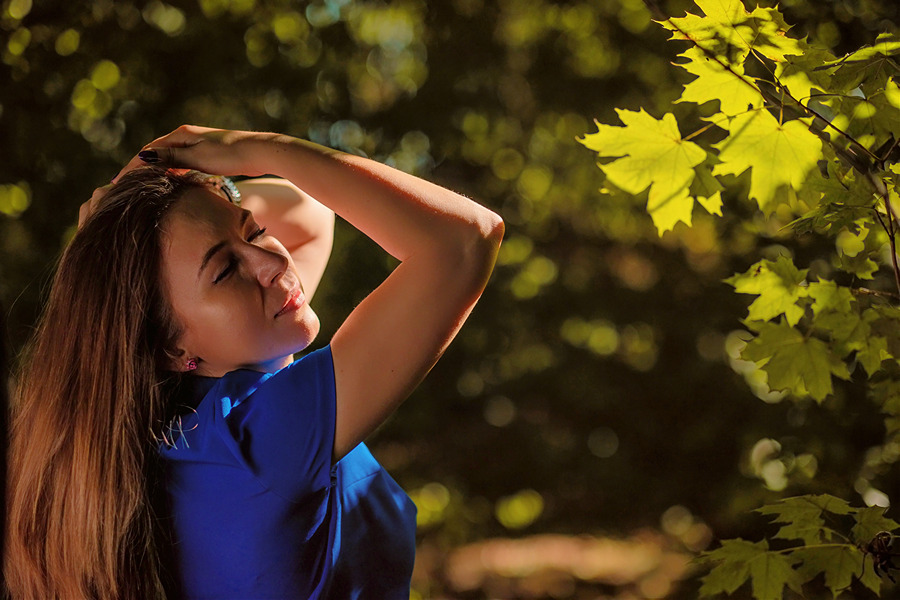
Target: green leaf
<point x="800" y="365"/>
<point x="840" y="563"/>
<point x="838" y="201"/>
<point x="828" y="296"/>
<point x="850" y="332"/>
<point x="860" y="265"/>
<point x="801" y="508"/>
<point x="799" y="75"/>
<point x="650" y="152"/>
<point x="724" y="578"/>
<point x="869" y="578"/>
<point x="778" y="287"/>
<point x="870" y="521"/>
<point x="769" y="573"/>
<point x="873" y="353"/>
<point x="779" y="154"/>
<point x="733" y="569"/>
<point x="735" y="93"/>
<point x="803" y="516"/>
<point x="875" y="63"/>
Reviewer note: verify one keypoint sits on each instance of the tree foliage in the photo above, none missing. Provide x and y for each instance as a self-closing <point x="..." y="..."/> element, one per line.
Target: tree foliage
<point x="800" y="137"/>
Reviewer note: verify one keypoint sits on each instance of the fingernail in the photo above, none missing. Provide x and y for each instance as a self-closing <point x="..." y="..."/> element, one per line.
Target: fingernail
<point x="148" y="156"/>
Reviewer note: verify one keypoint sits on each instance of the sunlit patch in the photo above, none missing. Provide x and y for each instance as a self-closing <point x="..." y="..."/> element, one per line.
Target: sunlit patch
<point x="431" y="501"/>
<point x="519" y="510"/>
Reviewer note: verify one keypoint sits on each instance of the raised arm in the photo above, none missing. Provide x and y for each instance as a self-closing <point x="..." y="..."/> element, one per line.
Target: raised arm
<point x="446" y="243"/>
<point x="304" y="226"/>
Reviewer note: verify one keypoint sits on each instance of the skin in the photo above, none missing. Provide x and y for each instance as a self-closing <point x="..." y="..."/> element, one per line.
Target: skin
<point x="446" y="245"/>
<point x="230" y="309"/>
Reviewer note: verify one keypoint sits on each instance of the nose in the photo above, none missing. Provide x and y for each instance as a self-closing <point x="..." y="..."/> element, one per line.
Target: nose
<point x="268" y="266"/>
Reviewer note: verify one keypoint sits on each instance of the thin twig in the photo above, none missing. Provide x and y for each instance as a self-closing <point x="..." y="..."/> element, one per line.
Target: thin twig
<point x="861" y="291"/>
<point x="891" y="237"/>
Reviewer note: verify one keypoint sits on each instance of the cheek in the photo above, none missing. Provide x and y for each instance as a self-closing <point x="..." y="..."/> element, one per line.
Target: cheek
<point x="214" y="328"/>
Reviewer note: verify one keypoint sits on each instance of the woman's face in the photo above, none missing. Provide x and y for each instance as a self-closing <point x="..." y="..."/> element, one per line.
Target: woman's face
<point x="234" y="290"/>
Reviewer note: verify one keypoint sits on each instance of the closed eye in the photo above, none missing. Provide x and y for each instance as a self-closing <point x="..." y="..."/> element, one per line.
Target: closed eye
<point x="232" y="263"/>
<point x="232" y="260"/>
<point x="257" y="234"/>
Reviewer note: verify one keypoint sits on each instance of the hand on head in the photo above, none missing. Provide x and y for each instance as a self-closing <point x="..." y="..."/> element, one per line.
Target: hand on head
<point x="213" y="151"/>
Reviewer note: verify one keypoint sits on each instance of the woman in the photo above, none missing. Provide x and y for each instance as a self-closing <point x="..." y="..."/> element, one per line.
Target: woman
<point x="164" y="440"/>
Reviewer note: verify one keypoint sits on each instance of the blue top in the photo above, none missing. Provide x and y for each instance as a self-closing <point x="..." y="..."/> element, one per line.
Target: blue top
<point x="260" y="513"/>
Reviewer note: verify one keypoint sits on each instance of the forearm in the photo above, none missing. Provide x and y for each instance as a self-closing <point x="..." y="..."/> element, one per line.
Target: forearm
<point x="405" y="215"/>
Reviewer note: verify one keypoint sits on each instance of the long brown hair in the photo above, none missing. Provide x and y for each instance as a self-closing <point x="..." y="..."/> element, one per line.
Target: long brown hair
<point x="82" y="521"/>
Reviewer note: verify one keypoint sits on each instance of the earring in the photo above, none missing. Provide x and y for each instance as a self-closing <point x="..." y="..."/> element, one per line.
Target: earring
<point x="191" y="364"/>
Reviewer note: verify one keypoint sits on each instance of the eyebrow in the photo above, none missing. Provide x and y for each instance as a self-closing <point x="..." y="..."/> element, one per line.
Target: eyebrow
<point x="245" y="214"/>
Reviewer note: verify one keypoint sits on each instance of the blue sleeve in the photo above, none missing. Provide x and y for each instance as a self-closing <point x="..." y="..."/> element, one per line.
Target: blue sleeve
<point x="285" y="428"/>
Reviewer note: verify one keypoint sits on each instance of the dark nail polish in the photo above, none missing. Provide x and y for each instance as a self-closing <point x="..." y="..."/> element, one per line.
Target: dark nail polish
<point x="148" y="156"/>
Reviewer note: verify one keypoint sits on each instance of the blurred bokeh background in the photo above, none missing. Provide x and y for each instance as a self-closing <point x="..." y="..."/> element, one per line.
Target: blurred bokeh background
<point x="592" y="428"/>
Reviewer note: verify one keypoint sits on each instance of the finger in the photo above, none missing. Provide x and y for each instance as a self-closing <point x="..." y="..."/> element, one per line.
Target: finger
<point x="87" y="208"/>
<point x="183" y="136"/>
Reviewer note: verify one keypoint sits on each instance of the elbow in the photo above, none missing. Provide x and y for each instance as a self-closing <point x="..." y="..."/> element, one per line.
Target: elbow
<point x="494" y="228"/>
<point x="488" y="230"/>
<point x="484" y="246"/>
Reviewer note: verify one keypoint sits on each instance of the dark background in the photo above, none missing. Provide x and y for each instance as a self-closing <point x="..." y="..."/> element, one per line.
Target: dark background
<point x="593" y="408"/>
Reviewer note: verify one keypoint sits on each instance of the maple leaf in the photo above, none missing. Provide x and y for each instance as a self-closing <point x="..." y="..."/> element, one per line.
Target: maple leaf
<point x="769" y="573"/>
<point x="840" y="563"/>
<point x="803" y="516"/>
<point x="733" y="569"/>
<point x="870" y="578"/>
<point x="770" y="35"/>
<point x="778" y="153"/>
<point x="721" y="30"/>
<point x="873" y="352"/>
<point x="870" y="521"/>
<point x="778" y="287"/>
<point x="734" y="92"/>
<point x="799" y="75"/>
<point x="707" y="190"/>
<point x="828" y="296"/>
<point x="853" y="332"/>
<point x="650" y="152"/>
<point x="729" y="30"/>
<point x="874" y="63"/>
<point x="794" y="362"/>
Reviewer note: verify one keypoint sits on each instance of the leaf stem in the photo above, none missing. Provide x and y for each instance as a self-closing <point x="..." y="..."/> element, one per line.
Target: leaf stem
<point x="814" y="546"/>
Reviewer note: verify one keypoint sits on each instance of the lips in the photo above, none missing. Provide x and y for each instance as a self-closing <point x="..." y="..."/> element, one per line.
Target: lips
<point x="294" y="301"/>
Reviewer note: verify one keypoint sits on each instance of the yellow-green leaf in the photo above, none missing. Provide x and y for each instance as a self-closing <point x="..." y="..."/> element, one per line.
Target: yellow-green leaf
<point x="728" y="29"/>
<point x="735" y="93"/>
<point x="650" y="152"/>
<point x="778" y="153"/>
<point x="828" y="296"/>
<point x="777" y="285"/>
<point x="707" y="190"/>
